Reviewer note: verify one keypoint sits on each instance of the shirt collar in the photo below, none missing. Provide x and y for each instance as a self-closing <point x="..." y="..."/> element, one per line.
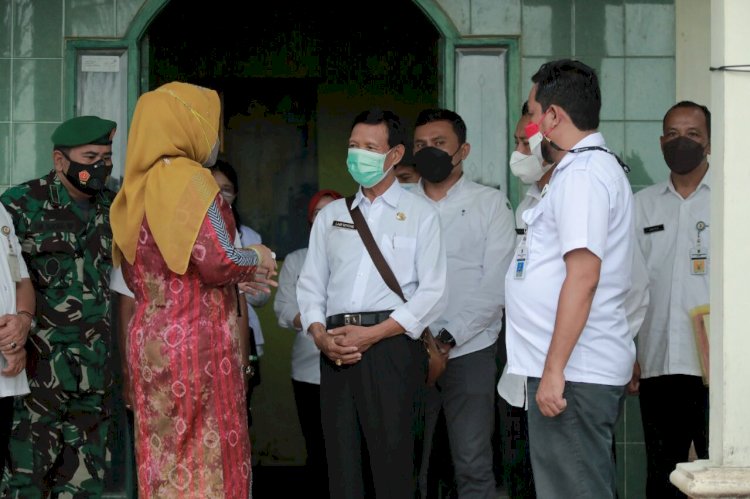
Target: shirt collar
<point x="454" y="189"/>
<point x="591" y="140"/>
<point x="534" y="191"/>
<point x="390" y="196"/>
<point x="704" y="183"/>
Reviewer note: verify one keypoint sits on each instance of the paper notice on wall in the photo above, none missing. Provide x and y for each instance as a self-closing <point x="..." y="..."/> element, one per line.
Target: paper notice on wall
<point x="100" y="64"/>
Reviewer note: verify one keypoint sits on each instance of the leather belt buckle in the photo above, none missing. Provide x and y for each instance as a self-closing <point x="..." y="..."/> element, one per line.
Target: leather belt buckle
<point x="352" y="319"/>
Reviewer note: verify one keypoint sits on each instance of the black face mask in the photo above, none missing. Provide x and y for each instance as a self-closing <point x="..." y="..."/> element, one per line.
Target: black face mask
<point x="433" y="164"/>
<point x="89" y="179"/>
<point x="683" y="155"/>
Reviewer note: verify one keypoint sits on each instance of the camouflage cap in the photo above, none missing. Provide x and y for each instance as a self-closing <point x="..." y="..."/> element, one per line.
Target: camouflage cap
<point x="83" y="130"/>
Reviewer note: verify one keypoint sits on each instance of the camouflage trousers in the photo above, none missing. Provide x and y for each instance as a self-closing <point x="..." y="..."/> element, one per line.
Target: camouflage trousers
<point x="57" y="446"/>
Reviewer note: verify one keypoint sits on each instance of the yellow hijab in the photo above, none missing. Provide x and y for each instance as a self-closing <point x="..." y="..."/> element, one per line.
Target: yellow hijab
<point x="174" y="131"/>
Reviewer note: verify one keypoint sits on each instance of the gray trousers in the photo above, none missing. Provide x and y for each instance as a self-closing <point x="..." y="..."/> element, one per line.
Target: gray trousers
<point x="571" y="454"/>
<point x="466" y="393"/>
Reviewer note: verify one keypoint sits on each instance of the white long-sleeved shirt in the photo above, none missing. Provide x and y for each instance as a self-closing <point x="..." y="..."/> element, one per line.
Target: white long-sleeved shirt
<point x="667" y="233"/>
<point x="479" y="242"/>
<point x="18" y="384"/>
<point x="338" y="275"/>
<point x="305" y="355"/>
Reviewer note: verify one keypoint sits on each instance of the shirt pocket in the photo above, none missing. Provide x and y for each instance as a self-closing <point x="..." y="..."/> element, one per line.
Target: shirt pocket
<point x="51" y="260"/>
<point x="401" y="255"/>
<point x="533" y="221"/>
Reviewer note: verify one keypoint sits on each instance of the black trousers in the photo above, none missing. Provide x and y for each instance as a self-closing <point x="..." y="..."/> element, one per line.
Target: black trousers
<point x="674" y="411"/>
<point x="6" y="423"/>
<point x="307" y="399"/>
<point x="372" y="411"/>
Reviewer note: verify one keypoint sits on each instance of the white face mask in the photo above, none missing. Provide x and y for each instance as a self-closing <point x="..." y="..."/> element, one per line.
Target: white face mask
<point x="409" y="186"/>
<point x="535" y="141"/>
<point x="528" y="169"/>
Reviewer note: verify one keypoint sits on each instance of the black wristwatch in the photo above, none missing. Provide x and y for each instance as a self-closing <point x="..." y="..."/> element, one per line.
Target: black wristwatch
<point x="445" y="337"/>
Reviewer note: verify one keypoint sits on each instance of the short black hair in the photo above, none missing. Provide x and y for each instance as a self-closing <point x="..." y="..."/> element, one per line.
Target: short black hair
<point x="573" y="86"/>
<point x="228" y="171"/>
<point x="391" y="120"/>
<point x="437" y="114"/>
<point x="525" y="108"/>
<point x="408" y="158"/>
<point x="690" y="104"/>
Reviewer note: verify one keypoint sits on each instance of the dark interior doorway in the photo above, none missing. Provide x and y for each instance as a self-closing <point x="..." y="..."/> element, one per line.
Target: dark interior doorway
<point x="292" y="78"/>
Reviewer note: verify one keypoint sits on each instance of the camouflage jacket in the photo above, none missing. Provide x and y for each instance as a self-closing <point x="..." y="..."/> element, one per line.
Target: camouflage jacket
<point x="68" y="251"/>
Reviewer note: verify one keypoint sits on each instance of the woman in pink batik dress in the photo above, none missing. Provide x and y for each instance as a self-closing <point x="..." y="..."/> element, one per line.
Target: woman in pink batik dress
<point x="174" y="237"/>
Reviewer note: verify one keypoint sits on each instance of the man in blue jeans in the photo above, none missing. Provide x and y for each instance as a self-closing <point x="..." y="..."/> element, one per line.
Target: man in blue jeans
<point x="566" y="287"/>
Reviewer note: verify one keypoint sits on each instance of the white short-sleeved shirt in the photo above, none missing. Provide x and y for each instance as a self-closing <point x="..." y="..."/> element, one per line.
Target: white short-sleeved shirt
<point x="479" y="240"/>
<point x="305" y="355"/>
<point x="18" y="384"/>
<point x="666" y="225"/>
<point x="512" y="387"/>
<point x="338" y="275"/>
<point x="588" y="204"/>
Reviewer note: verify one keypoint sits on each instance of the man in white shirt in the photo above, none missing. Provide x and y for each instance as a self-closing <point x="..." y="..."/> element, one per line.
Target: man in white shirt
<point x="479" y="239"/>
<point x="673" y="226"/>
<point x="17" y="313"/>
<point x="512" y="387"/>
<point x="567" y="329"/>
<point x="373" y="366"/>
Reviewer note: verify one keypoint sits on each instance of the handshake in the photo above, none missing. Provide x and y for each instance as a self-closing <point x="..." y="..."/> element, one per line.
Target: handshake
<point x="264" y="273"/>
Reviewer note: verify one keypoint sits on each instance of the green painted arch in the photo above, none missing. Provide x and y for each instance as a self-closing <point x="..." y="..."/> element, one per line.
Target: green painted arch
<point x="150" y="9"/>
<point x="450" y="40"/>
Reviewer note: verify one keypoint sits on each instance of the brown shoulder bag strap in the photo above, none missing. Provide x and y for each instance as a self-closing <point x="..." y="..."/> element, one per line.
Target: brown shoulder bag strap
<point x="377" y="257"/>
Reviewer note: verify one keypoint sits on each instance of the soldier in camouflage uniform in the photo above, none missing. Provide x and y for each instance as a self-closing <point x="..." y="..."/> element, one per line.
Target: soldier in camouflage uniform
<point x="58" y="441"/>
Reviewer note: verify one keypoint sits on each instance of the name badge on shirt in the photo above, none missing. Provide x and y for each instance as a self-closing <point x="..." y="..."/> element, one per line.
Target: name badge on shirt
<point x="13" y="264"/>
<point x="653" y="228"/>
<point x="521" y="257"/>
<point x="343" y="225"/>
<point x="698" y="260"/>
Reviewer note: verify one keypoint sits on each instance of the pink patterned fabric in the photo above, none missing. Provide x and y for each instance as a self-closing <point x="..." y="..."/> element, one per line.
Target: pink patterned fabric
<point x="183" y="353"/>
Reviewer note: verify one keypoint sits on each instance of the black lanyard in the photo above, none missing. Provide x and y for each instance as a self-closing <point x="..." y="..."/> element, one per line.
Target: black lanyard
<point x="625" y="167"/>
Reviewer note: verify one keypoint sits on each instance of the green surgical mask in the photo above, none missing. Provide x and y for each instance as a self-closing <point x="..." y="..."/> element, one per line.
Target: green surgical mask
<point x="366" y="167"/>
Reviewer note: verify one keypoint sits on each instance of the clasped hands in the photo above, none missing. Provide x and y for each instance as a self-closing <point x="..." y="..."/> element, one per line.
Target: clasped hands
<point x="344" y="345"/>
<point x="14" y="330"/>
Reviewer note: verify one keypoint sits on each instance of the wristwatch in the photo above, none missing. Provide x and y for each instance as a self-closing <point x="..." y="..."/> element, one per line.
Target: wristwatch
<point x="32" y="325"/>
<point x="446" y="337"/>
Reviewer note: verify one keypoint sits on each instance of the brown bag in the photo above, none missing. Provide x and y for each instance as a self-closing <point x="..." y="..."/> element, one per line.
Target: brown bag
<point x="438" y="361"/>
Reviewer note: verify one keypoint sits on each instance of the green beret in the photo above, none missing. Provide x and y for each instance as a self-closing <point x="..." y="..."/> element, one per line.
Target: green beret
<point x="83" y="130"/>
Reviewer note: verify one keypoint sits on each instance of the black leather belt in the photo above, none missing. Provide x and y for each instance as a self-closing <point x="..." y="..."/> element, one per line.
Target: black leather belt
<point x="360" y="319"/>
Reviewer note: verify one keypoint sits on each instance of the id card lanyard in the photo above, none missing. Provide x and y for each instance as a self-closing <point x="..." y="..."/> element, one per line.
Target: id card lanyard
<point x="699" y="254"/>
<point x="522" y="256"/>
<point x="13" y="264"/>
